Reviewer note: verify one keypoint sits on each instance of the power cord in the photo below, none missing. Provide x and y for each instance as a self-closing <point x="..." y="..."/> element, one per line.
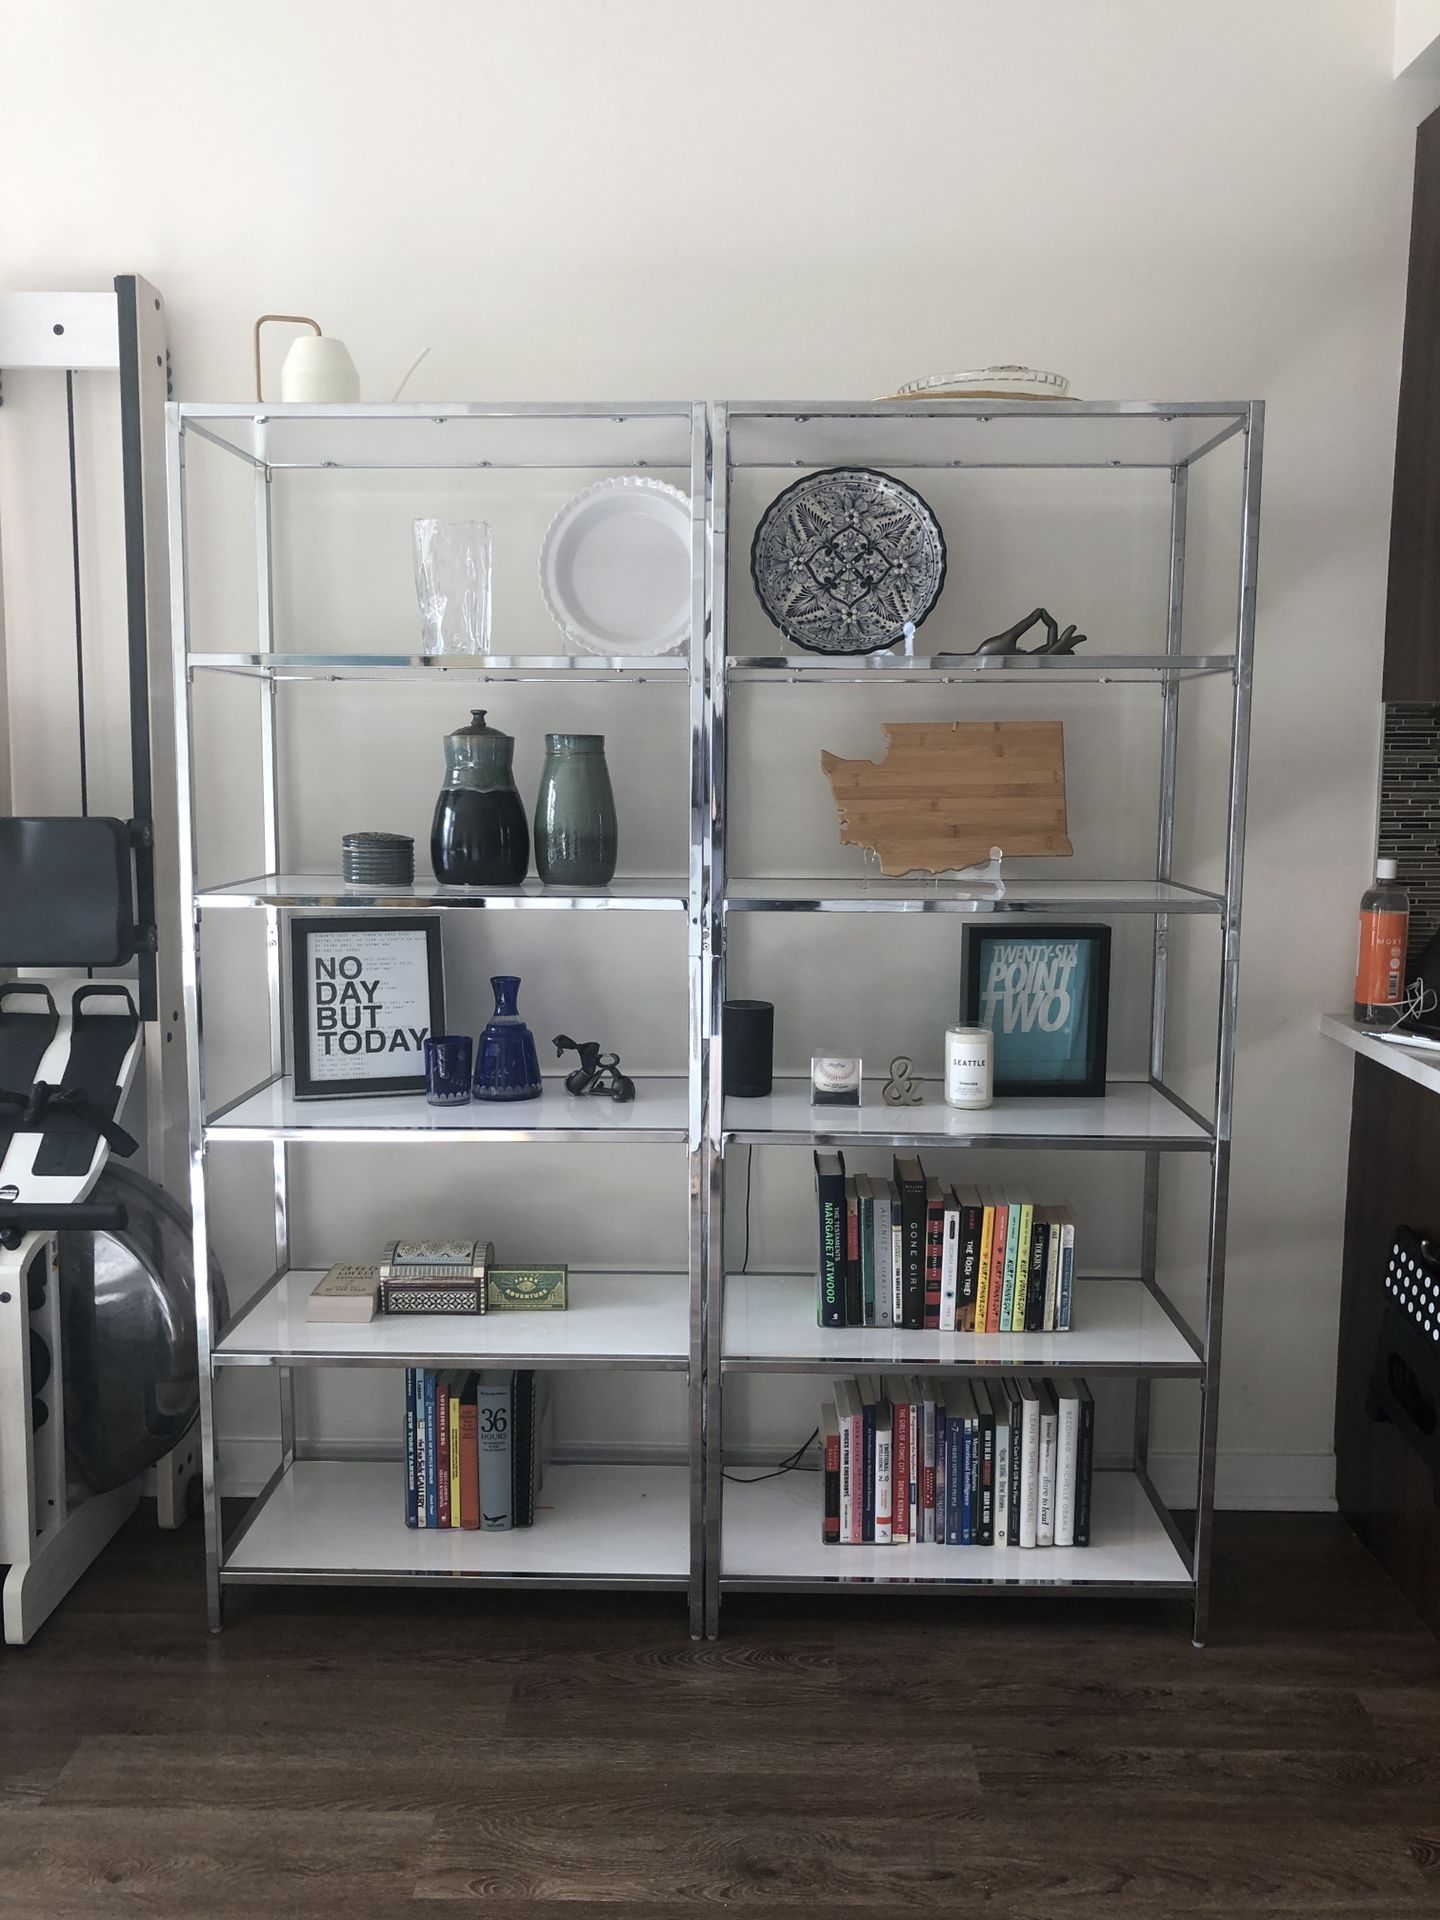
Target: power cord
<point x="792" y="1463"/>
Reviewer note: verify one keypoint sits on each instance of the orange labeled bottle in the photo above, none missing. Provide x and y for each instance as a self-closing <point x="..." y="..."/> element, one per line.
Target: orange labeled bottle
<point x="1384" y="929"/>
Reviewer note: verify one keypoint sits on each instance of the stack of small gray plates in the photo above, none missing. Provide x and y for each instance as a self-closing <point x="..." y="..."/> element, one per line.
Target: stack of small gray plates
<point x="379" y="859"/>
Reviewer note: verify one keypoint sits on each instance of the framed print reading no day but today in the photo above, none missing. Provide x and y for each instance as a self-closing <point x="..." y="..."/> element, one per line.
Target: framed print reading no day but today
<point x="364" y="993"/>
<point x="1045" y="995"/>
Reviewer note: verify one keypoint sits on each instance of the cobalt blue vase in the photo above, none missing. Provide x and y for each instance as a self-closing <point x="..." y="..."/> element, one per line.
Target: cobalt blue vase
<point x="508" y="1067"/>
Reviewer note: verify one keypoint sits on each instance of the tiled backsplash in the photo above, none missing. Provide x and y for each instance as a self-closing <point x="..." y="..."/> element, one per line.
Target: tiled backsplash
<point x="1410" y="809"/>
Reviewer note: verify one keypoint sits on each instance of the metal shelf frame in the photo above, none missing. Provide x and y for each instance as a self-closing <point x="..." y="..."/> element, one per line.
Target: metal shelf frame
<point x="1169" y="438"/>
<point x="271" y="440"/>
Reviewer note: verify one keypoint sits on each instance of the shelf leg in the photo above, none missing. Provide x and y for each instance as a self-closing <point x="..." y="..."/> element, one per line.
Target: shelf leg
<point x="1229" y="998"/>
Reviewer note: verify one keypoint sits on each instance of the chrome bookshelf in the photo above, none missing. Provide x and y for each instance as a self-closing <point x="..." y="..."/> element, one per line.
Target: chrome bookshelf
<point x="675" y="1521"/>
<point x="329" y="1520"/>
<point x="763" y="1535"/>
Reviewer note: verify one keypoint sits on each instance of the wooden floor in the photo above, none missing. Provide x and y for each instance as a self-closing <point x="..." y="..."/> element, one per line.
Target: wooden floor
<point x="367" y="1754"/>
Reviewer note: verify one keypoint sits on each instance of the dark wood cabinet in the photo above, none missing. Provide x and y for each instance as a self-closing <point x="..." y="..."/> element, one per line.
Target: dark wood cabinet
<point x="1412" y="613"/>
<point x="1384" y="1489"/>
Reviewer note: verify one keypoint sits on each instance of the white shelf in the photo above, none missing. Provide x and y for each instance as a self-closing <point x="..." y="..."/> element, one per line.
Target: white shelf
<point x="1118" y="1326"/>
<point x="1419" y="1064"/>
<point x="659" y="1111"/>
<point x="979" y="433"/>
<point x="312" y="891"/>
<point x="859" y="893"/>
<point x="1133" y="1114"/>
<point x="613" y="1320"/>
<point x="771" y="1535"/>
<point x="510" y="669"/>
<point x="342" y="1521"/>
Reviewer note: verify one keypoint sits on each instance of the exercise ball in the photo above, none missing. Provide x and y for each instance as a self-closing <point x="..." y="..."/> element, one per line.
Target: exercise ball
<point x="127" y="1316"/>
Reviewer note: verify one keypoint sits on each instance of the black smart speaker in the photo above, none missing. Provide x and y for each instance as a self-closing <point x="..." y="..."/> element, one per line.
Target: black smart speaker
<point x="748" y="1034"/>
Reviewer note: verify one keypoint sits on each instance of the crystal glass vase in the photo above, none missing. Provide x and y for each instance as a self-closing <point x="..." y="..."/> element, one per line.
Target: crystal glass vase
<point x="508" y="1067"/>
<point x="452" y="584"/>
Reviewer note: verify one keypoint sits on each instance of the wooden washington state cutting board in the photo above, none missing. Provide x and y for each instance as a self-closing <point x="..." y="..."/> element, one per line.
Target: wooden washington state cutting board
<point x="946" y="793"/>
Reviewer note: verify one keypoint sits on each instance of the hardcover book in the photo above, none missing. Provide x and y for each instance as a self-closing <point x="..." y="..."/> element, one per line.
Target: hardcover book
<point x="884" y="1264"/>
<point x="1067" y="1265"/>
<point x="469" y="1446"/>
<point x="998" y="1245"/>
<point x="934" y="1251"/>
<point x="494" y="1417"/>
<point x="830" y="1193"/>
<point x="830" y="1460"/>
<point x="412" y="1518"/>
<point x="854" y="1277"/>
<point x="432" y="1510"/>
<point x="1067" y="1459"/>
<point x="456" y="1386"/>
<point x="1049" y="1437"/>
<point x="982" y="1278"/>
<point x="527" y="1454"/>
<point x="1000" y="1505"/>
<point x="884" y="1470"/>
<point x="1050" y="1321"/>
<point x="910" y="1179"/>
<point x="1038" y="1270"/>
<point x="852" y="1451"/>
<point x="1029" y="1464"/>
<point x="442" y="1449"/>
<point x="344" y="1296"/>
<point x="1085" y="1465"/>
<point x="869" y="1416"/>
<point x="896" y="1389"/>
<point x="985" y="1439"/>
<point x="958" y="1450"/>
<point x="897" y="1258"/>
<point x="972" y="1221"/>
<point x="865" y="1250"/>
<point x="927" y="1464"/>
<point x="950" y="1263"/>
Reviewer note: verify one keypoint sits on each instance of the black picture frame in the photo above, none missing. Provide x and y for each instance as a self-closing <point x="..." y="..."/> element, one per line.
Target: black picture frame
<point x="414" y="970"/>
<point x="1019" y="1061"/>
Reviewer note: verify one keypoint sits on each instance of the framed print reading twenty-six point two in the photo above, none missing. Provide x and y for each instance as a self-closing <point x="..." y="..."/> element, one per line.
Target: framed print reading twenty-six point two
<point x="1045" y="995"/>
<point x="364" y="992"/>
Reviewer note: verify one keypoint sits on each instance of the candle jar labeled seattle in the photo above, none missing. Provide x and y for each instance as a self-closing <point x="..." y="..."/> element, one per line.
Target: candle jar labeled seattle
<point x="969" y="1066"/>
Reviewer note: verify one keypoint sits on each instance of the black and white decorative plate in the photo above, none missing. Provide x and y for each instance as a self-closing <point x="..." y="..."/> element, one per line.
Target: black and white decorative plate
<point x="846" y="559"/>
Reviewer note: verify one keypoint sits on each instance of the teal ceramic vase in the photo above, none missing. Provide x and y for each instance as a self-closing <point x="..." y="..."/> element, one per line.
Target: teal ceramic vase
<point x="576" y="839"/>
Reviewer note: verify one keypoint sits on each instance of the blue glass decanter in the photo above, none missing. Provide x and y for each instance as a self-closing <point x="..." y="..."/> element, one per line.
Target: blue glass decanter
<point x="508" y="1067"/>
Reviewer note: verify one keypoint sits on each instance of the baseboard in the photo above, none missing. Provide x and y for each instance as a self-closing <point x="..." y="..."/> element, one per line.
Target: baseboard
<point x="1244" y="1482"/>
<point x="1251" y="1482"/>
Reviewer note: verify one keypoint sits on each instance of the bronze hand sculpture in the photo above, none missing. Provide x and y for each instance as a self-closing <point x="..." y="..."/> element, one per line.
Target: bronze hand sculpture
<point x="1056" y="642"/>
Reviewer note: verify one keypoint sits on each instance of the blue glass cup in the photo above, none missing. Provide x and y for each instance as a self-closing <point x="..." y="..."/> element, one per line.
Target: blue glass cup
<point x="448" y="1059"/>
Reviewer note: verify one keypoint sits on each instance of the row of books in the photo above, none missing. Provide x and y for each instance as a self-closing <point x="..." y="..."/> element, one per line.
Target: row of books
<point x="958" y="1463"/>
<point x="909" y="1252"/>
<point x="474" y="1446"/>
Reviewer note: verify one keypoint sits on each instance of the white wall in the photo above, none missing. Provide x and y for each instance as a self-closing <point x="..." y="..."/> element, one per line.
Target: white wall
<point x="651" y="198"/>
<point x="1417" y="31"/>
